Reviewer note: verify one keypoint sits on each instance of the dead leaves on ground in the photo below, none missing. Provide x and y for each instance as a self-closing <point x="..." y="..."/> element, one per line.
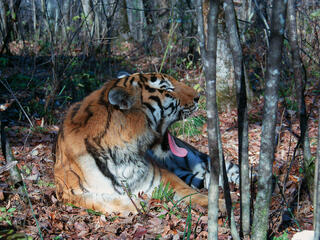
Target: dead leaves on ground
<point x="32" y="149"/>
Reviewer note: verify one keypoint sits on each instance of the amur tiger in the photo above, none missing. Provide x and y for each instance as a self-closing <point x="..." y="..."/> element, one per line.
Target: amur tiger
<point x="192" y="166"/>
<point x="101" y="146"/>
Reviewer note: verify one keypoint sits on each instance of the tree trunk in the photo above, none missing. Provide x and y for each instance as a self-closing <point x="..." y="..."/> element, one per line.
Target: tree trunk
<point x="9" y="23"/>
<point x="34" y="19"/>
<point x="136" y="19"/>
<point x="316" y="202"/>
<point x="89" y="23"/>
<point x="15" y="176"/>
<point x="208" y="48"/>
<point x="300" y="80"/>
<point x="236" y="50"/>
<point x="261" y="210"/>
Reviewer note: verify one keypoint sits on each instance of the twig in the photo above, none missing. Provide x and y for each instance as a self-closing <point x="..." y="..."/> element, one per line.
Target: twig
<point x="129" y="195"/>
<point x="8" y="166"/>
<point x="171" y="31"/>
<point x="15" y="98"/>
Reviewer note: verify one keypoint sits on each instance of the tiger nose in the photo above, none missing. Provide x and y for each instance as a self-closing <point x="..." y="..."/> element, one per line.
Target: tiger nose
<point x="196" y="98"/>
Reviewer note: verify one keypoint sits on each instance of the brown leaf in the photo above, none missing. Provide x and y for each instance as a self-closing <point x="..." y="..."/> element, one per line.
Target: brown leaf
<point x="141" y="231"/>
<point x="81" y="226"/>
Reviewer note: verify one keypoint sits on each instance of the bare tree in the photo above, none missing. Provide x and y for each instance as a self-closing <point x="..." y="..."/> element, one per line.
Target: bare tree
<point x="9" y="20"/>
<point x="316" y="202"/>
<point x="88" y="14"/>
<point x="236" y="50"/>
<point x="136" y="19"/>
<point x="300" y="82"/>
<point x="208" y="48"/>
<point x="261" y="210"/>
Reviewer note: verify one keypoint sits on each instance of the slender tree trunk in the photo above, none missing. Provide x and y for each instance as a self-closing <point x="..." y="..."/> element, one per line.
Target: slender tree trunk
<point x="300" y="82"/>
<point x="136" y="19"/>
<point x="236" y="50"/>
<point x="89" y="21"/>
<point x="316" y="202"/>
<point x="261" y="210"/>
<point x="34" y="19"/>
<point x="88" y="14"/>
<point x="15" y="176"/>
<point x="208" y="48"/>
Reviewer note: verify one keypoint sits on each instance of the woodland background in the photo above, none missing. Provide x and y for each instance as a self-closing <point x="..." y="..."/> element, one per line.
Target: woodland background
<point x="53" y="53"/>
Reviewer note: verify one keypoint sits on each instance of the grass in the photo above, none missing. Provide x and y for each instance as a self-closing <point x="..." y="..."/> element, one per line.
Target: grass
<point x="163" y="192"/>
<point x="6" y="215"/>
<point x="190" y="127"/>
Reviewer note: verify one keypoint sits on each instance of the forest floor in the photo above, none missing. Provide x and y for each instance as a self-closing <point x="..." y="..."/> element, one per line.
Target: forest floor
<point x="291" y="208"/>
<point x="43" y="216"/>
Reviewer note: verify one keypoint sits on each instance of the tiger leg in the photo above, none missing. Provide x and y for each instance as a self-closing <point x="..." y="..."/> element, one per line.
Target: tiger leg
<point x="101" y="202"/>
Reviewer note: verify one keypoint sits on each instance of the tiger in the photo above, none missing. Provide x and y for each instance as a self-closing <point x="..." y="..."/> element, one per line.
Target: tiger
<point x="191" y="165"/>
<point x="100" y="151"/>
<point x="185" y="161"/>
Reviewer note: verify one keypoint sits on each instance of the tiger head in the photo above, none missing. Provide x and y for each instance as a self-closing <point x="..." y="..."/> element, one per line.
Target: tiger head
<point x="162" y="98"/>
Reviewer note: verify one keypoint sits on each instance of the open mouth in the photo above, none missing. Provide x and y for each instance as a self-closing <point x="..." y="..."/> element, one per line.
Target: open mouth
<point x="185" y="113"/>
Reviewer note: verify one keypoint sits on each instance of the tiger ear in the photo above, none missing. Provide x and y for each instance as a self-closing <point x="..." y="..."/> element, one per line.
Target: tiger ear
<point x="120" y="97"/>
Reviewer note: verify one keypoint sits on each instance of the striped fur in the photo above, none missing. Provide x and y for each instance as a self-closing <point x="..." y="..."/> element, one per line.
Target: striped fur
<point x="194" y="168"/>
<point x="102" y="142"/>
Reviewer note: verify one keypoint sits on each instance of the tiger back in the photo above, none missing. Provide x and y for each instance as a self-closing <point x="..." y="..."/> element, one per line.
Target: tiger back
<point x="101" y="145"/>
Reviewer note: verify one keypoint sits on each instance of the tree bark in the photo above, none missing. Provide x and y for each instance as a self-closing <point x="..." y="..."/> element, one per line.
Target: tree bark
<point x="88" y="14"/>
<point x="300" y="82"/>
<point x="208" y="48"/>
<point x="261" y="210"/>
<point x="15" y="176"/>
<point x="34" y="19"/>
<point x="316" y="202"/>
<point x="236" y="50"/>
<point x="136" y="19"/>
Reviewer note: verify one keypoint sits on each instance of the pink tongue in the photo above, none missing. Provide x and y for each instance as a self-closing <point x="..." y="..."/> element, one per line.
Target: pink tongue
<point x="178" y="151"/>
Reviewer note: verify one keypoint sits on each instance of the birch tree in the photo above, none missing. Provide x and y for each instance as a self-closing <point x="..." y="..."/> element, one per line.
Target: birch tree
<point x="267" y="149"/>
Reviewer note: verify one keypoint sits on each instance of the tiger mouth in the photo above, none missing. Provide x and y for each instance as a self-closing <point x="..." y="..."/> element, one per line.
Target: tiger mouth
<point x="185" y="113"/>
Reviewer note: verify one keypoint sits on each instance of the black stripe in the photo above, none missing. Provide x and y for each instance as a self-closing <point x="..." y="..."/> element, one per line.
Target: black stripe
<point x="61" y="132"/>
<point x="89" y="114"/>
<point x="230" y="166"/>
<point x="75" y="110"/>
<point x="97" y="139"/>
<point x="79" y="182"/>
<point x="170" y="106"/>
<point x="153" y="78"/>
<point x="102" y="100"/>
<point x="160" y="125"/>
<point x="187" y="162"/>
<point x="131" y="80"/>
<point x="152" y="109"/>
<point x="157" y="100"/>
<point x="163" y="82"/>
<point x="193" y="176"/>
<point x="103" y="166"/>
<point x="184" y="177"/>
<point x="125" y="81"/>
<point x="149" y="89"/>
<point x="143" y="78"/>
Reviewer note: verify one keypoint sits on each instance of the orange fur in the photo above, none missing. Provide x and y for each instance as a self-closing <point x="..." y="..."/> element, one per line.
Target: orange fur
<point x="100" y="146"/>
